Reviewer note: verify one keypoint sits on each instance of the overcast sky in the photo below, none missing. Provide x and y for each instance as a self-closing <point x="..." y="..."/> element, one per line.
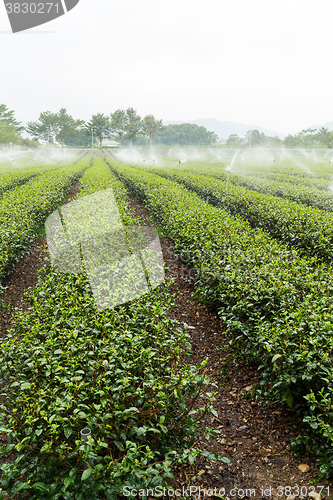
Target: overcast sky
<point x="259" y="62"/>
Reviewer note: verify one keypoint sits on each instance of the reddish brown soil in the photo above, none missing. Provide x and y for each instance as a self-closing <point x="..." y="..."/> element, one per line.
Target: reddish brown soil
<point x="255" y="437"/>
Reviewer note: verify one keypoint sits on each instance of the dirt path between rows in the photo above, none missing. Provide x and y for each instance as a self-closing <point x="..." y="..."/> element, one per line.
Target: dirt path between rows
<point x="253" y="436"/>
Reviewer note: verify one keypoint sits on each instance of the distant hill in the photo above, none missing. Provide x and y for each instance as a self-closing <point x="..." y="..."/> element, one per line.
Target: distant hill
<point x="224" y="129"/>
<point x="328" y="125"/>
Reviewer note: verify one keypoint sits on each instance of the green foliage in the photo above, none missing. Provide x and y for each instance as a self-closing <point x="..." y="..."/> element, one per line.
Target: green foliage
<point x="133" y="123"/>
<point x="295" y="177"/>
<point x="118" y="125"/>
<point x="253" y="139"/>
<point x="307" y="229"/>
<point x="99" y="178"/>
<point x="185" y="134"/>
<point x="57" y="126"/>
<point x="33" y="202"/>
<point x="11" y="180"/>
<point x="7" y="117"/>
<point x="234" y="141"/>
<point x="100" y="125"/>
<point x="120" y="373"/>
<point x="308" y="138"/>
<point x="8" y="134"/>
<point x="151" y="126"/>
<point x="81" y="138"/>
<point x="308" y="195"/>
<point x="325" y="137"/>
<point x="277" y="305"/>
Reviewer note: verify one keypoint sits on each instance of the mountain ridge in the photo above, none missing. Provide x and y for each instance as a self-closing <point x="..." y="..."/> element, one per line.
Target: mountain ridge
<point x="225" y="128"/>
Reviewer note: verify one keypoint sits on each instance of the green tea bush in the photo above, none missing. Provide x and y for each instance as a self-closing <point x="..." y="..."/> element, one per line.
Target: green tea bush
<point x="260" y="180"/>
<point x="10" y="179"/>
<point x="99" y="178"/>
<point x="119" y="372"/>
<point x="298" y="178"/>
<point x="308" y="229"/>
<point x="68" y="366"/>
<point x="306" y="195"/>
<point x="24" y="209"/>
<point x="277" y="305"/>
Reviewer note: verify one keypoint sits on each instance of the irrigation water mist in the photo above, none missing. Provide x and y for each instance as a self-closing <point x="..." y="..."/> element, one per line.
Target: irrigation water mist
<point x="242" y="161"/>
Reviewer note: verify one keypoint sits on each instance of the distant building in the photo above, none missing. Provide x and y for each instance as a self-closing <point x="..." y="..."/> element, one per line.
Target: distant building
<point x="108" y="143"/>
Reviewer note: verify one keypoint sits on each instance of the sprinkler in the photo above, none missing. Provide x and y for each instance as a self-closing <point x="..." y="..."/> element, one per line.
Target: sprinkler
<point x="179" y="165"/>
<point x="228" y="173"/>
<point x="85" y="433"/>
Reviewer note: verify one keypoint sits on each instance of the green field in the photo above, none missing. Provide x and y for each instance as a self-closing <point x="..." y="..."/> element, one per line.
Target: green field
<point x="257" y="226"/>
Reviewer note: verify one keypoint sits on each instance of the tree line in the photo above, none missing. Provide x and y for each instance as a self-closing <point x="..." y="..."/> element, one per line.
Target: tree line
<point x="124" y="126"/>
<point x="307" y="138"/>
<point x="127" y="127"/>
<point x="61" y="126"/>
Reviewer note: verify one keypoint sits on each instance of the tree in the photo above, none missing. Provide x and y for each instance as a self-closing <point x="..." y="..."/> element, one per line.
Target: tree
<point x="118" y="125"/>
<point x="292" y="141"/>
<point x="132" y="123"/>
<point x="150" y="126"/>
<point x="7" y="117"/>
<point x="255" y="138"/>
<point x="100" y="125"/>
<point x="52" y="126"/>
<point x="8" y="133"/>
<point x="185" y="134"/>
<point x="82" y="138"/>
<point x="273" y="142"/>
<point x="233" y="141"/>
<point x="325" y="136"/>
<point x="308" y="138"/>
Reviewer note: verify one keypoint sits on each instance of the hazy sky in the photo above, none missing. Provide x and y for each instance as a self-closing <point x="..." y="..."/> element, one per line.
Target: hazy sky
<point x="258" y="62"/>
